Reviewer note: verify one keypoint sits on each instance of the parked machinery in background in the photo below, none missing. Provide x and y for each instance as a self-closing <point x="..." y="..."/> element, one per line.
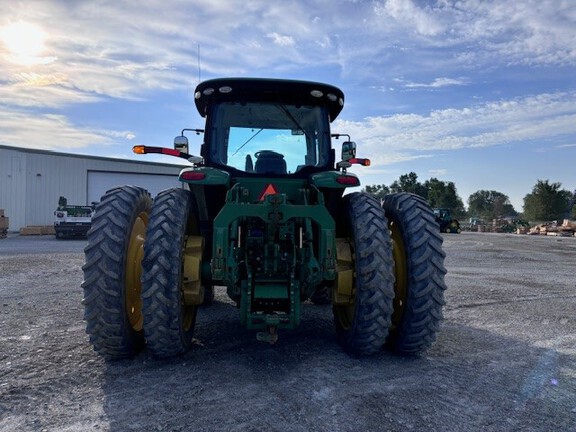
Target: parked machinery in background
<point x="447" y="223"/>
<point x="72" y="220"/>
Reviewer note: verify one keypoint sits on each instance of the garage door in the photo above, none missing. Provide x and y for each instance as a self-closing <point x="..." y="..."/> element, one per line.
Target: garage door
<point x="99" y="182"/>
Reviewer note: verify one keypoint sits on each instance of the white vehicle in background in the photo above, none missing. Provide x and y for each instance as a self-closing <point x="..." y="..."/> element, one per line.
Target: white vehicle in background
<point x="72" y="220"/>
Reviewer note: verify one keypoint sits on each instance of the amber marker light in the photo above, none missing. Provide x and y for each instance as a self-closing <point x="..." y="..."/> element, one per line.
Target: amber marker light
<point x="357" y="161"/>
<point x="139" y="149"/>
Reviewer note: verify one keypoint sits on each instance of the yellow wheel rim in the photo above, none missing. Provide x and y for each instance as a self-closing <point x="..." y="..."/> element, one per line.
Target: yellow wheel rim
<point x="133" y="270"/>
<point x="400" y="272"/>
<point x="344" y="293"/>
<point x="192" y="290"/>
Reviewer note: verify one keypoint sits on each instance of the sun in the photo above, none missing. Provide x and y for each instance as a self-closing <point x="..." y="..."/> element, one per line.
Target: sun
<point x="25" y="42"/>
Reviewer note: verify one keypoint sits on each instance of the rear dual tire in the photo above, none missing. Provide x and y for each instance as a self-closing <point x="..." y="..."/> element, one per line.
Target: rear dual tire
<point x="133" y="274"/>
<point x="398" y="262"/>
<point x="112" y="288"/>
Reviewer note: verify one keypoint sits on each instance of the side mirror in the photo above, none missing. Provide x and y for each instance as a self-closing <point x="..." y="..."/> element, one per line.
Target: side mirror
<point x="348" y="150"/>
<point x="181" y="143"/>
<point x="349" y="157"/>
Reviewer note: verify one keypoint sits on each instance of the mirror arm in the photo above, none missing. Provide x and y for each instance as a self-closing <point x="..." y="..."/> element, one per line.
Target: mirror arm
<point x="343" y="165"/>
<point x="197" y="131"/>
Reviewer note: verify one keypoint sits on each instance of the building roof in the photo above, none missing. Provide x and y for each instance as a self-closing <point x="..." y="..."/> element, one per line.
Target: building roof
<point x="82" y="156"/>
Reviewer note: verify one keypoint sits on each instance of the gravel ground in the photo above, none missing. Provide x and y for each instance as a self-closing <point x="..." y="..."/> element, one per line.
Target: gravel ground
<point x="505" y="359"/>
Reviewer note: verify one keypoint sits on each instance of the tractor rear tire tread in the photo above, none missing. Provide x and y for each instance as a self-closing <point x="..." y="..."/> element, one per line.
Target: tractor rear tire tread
<point x="104" y="271"/>
<point x="161" y="276"/>
<point x="417" y="328"/>
<point x="374" y="277"/>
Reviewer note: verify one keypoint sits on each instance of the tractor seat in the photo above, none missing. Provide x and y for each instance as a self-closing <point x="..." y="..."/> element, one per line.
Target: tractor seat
<point x="269" y="162"/>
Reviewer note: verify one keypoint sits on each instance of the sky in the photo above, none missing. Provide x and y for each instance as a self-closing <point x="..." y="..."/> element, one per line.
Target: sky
<point x="481" y="93"/>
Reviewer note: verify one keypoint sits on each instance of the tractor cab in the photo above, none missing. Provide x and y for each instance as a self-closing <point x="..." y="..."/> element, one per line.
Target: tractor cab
<point x="268" y="134"/>
<point x="257" y="127"/>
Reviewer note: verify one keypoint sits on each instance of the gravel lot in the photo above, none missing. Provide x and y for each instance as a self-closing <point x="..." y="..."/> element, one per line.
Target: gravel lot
<point x="505" y="359"/>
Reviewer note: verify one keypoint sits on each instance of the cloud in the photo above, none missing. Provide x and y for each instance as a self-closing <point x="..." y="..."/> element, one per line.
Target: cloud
<point x="530" y="32"/>
<point x="404" y="11"/>
<point x="437" y="83"/>
<point x="52" y="132"/>
<point x="128" y="50"/>
<point x="531" y="118"/>
<point x="127" y="135"/>
<point x="281" y="40"/>
<point x="18" y="95"/>
<point x="438" y="172"/>
<point x="33" y="79"/>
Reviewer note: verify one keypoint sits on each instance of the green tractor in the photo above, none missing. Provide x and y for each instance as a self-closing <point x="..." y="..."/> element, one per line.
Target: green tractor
<point x="263" y="212"/>
<point x="446" y="222"/>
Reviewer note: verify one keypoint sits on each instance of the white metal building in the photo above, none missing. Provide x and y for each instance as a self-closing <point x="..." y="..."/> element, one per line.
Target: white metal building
<point x="31" y="181"/>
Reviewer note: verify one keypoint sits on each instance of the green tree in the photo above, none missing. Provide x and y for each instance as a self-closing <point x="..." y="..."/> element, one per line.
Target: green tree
<point x="443" y="195"/>
<point x="409" y="183"/>
<point x="572" y="206"/>
<point x="546" y="202"/>
<point x="379" y="191"/>
<point x="439" y="194"/>
<point x="490" y="204"/>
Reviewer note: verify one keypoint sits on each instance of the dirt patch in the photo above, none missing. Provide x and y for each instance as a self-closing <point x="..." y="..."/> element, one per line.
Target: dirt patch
<point x="505" y="359"/>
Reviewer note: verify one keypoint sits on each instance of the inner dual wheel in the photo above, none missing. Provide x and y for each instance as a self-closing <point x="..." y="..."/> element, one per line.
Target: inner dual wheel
<point x="364" y="290"/>
<point x="142" y="273"/>
<point x="168" y="318"/>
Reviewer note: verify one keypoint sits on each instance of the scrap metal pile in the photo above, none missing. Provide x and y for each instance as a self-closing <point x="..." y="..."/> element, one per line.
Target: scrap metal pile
<point x="566" y="229"/>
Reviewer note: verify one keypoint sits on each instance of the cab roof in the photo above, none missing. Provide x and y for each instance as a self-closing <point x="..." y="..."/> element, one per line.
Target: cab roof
<point x="268" y="90"/>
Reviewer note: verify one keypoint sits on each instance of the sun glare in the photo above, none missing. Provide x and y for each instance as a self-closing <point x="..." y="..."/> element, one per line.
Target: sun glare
<point x="25" y="43"/>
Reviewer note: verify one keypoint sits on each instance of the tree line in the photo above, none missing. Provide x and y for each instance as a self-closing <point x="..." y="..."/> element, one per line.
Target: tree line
<point x="547" y="201"/>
